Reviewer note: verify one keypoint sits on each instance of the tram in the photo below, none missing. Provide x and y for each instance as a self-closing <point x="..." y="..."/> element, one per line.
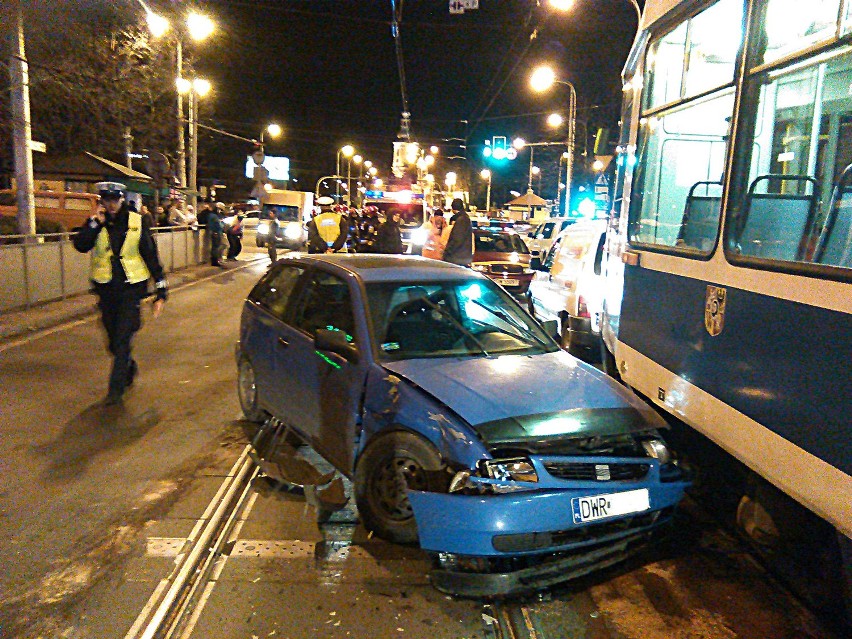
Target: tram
<point x="728" y="261"/>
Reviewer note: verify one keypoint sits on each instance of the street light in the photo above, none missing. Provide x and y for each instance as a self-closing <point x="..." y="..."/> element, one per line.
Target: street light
<point x="559" y="186"/>
<point x="346" y="151"/>
<point x="541" y="80"/>
<point x="195" y="89"/>
<point x="485" y="174"/>
<point x="199" y="27"/>
<point x="274" y="131"/>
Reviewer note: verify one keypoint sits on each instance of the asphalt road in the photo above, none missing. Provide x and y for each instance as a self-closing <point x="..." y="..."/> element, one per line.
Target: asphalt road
<point x="96" y="505"/>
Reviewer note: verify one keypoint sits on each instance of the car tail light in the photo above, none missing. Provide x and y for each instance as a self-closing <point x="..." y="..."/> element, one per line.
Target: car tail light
<point x="582" y="309"/>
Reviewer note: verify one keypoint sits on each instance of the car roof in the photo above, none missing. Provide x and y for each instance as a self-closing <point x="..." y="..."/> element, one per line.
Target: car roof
<point x="584" y="226"/>
<point x="371" y="267"/>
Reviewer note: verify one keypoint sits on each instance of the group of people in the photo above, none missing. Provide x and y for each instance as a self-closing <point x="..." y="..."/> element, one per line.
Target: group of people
<point x="218" y="228"/>
<point x="331" y="227"/>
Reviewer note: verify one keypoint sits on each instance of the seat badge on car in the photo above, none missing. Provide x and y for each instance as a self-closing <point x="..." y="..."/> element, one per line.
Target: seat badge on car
<point x="714" y="310"/>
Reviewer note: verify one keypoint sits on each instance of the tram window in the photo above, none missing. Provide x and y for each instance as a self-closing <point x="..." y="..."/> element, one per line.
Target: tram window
<point x="677" y="150"/>
<point x="697" y="56"/>
<point x="792" y="25"/>
<point x="796" y="151"/>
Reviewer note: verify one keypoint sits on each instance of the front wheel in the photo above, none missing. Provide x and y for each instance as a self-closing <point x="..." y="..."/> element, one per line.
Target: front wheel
<point x="388" y="467"/>
<point x="247" y="392"/>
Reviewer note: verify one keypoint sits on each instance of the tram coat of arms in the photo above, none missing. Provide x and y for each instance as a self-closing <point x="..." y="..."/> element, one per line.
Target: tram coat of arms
<point x="714" y="310"/>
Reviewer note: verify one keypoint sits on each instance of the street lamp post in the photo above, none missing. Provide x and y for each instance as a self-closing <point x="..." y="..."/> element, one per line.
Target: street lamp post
<point x="541" y="80"/>
<point x="274" y="130"/>
<point x="347" y="151"/>
<point x="485" y="174"/>
<point x="195" y="89"/>
<point x="199" y="27"/>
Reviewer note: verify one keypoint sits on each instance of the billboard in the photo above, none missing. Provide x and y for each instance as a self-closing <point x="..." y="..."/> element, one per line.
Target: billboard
<point x="277" y="165"/>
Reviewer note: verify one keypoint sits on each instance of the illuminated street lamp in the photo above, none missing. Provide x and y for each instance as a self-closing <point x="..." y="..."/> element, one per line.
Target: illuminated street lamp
<point x="485" y="174"/>
<point x="274" y="131"/>
<point x="555" y="120"/>
<point x="195" y="89"/>
<point x="541" y="80"/>
<point x="199" y="27"/>
<point x="346" y="151"/>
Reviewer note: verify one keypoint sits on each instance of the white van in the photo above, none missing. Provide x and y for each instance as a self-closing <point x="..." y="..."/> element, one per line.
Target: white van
<point x="544" y="235"/>
<point x="568" y="287"/>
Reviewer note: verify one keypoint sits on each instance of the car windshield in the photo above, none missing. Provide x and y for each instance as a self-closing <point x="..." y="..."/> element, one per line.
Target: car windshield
<point x="464" y="318"/>
<point x="411" y="214"/>
<point x="283" y="212"/>
<point x="490" y="242"/>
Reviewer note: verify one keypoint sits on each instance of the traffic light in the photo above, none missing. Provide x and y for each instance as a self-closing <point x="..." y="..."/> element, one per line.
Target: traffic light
<point x="498" y="149"/>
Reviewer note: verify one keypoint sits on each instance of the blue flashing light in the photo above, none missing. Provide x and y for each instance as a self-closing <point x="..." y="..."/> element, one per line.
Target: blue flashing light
<point x="486" y="151"/>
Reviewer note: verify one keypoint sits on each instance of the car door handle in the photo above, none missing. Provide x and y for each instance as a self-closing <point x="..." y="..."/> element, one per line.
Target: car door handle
<point x="283" y="342"/>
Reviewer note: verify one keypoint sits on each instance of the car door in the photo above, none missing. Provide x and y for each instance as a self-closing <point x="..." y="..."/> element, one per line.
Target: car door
<point x="267" y="304"/>
<point x="325" y="389"/>
<point x="544" y="292"/>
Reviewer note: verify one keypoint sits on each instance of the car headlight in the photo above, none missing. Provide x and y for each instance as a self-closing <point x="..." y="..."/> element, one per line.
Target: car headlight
<point x="495" y="477"/>
<point x="658" y="450"/>
<point x="263" y="228"/>
<point x="480" y="267"/>
<point x="519" y="469"/>
<point x="419" y="236"/>
<point x="514" y="259"/>
<point x="293" y="231"/>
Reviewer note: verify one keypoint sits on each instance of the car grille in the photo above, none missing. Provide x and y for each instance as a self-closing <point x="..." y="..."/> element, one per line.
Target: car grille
<point x="573" y="471"/>
<point x="515" y="269"/>
<point x="526" y="542"/>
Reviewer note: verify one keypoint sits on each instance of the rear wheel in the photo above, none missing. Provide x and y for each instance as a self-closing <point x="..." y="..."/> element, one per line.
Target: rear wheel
<point x="388" y="467"/>
<point x="247" y="392"/>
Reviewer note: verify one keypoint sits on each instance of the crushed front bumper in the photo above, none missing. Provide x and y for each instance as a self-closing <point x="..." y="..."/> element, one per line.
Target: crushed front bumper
<point x="502" y="544"/>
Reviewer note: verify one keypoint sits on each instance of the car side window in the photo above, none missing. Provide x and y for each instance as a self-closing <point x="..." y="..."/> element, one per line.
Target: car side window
<point x="325" y="302"/>
<point x="274" y="291"/>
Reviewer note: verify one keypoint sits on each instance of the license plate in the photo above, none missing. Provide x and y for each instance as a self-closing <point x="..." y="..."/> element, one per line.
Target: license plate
<point x="607" y="506"/>
<point x="508" y="282"/>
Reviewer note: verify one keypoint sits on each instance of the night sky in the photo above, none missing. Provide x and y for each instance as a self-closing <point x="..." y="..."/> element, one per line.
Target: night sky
<point x="326" y="70"/>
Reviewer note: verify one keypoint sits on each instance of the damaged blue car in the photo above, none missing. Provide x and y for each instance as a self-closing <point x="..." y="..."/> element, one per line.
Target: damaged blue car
<point x="460" y="421"/>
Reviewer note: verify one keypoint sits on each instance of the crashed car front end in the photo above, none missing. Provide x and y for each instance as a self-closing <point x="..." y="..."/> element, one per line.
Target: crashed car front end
<point x="524" y="520"/>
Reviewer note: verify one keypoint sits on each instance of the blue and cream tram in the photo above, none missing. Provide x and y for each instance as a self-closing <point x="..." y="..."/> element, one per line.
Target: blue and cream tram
<point x="729" y="251"/>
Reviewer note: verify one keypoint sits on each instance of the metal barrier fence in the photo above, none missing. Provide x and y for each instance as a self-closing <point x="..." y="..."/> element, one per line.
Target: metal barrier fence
<point x="46" y="267"/>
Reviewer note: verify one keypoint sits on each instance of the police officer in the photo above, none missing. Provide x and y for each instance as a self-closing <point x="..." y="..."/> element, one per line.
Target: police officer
<point x="123" y="259"/>
<point x="328" y="231"/>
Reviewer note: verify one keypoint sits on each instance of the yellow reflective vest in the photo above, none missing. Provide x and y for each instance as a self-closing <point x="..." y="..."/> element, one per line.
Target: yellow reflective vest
<point x="135" y="269"/>
<point x="328" y="226"/>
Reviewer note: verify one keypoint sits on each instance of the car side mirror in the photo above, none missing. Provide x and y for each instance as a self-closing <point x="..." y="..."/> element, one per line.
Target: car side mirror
<point x="335" y="342"/>
<point x="551" y="327"/>
<point x="536" y="265"/>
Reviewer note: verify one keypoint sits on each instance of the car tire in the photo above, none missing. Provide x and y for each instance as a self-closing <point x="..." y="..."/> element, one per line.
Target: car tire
<point x="389" y="465"/>
<point x="247" y="392"/>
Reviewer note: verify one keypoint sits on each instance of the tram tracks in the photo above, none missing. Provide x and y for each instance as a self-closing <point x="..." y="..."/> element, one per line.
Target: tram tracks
<point x="174" y="602"/>
<point x="510" y="620"/>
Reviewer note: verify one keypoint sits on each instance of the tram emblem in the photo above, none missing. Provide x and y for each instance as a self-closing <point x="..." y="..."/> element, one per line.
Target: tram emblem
<point x="714" y="310"/>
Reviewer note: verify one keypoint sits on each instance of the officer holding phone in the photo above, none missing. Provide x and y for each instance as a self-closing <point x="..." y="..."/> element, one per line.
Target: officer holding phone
<point x="123" y="259"/>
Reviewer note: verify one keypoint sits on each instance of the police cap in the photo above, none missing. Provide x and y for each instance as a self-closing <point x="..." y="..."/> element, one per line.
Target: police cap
<point x="109" y="190"/>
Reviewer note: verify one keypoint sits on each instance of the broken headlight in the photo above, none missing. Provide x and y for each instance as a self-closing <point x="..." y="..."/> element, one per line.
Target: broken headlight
<point x="493" y="476"/>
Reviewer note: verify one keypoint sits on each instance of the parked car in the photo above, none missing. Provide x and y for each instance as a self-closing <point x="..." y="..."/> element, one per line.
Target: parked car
<point x="504" y="257"/>
<point x="569" y="288"/>
<point x="459" y="419"/>
<point x="546" y="233"/>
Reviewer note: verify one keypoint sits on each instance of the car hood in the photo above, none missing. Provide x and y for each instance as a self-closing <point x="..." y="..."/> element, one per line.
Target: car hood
<point x="530" y="398"/>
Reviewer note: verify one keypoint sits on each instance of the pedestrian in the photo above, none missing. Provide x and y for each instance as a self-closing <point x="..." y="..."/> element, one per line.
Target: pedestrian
<point x="459" y="248"/>
<point x="328" y="231"/>
<point x="146" y="214"/>
<point x="214" y="229"/>
<point x="272" y="237"/>
<point x="368" y="229"/>
<point x="123" y="259"/>
<point x="235" y="236"/>
<point x="203" y="213"/>
<point x="438" y="233"/>
<point x="389" y="238"/>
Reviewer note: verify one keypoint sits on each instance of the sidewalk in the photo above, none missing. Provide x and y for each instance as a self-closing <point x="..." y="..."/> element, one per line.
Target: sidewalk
<point x="23" y="322"/>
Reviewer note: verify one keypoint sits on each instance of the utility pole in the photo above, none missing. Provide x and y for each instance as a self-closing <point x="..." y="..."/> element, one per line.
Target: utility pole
<point x="128" y="147"/>
<point x="181" y="146"/>
<point x="19" y="72"/>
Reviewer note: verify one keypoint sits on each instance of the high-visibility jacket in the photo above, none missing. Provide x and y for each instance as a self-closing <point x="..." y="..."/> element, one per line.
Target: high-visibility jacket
<point x="135" y="269"/>
<point x="328" y="226"/>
